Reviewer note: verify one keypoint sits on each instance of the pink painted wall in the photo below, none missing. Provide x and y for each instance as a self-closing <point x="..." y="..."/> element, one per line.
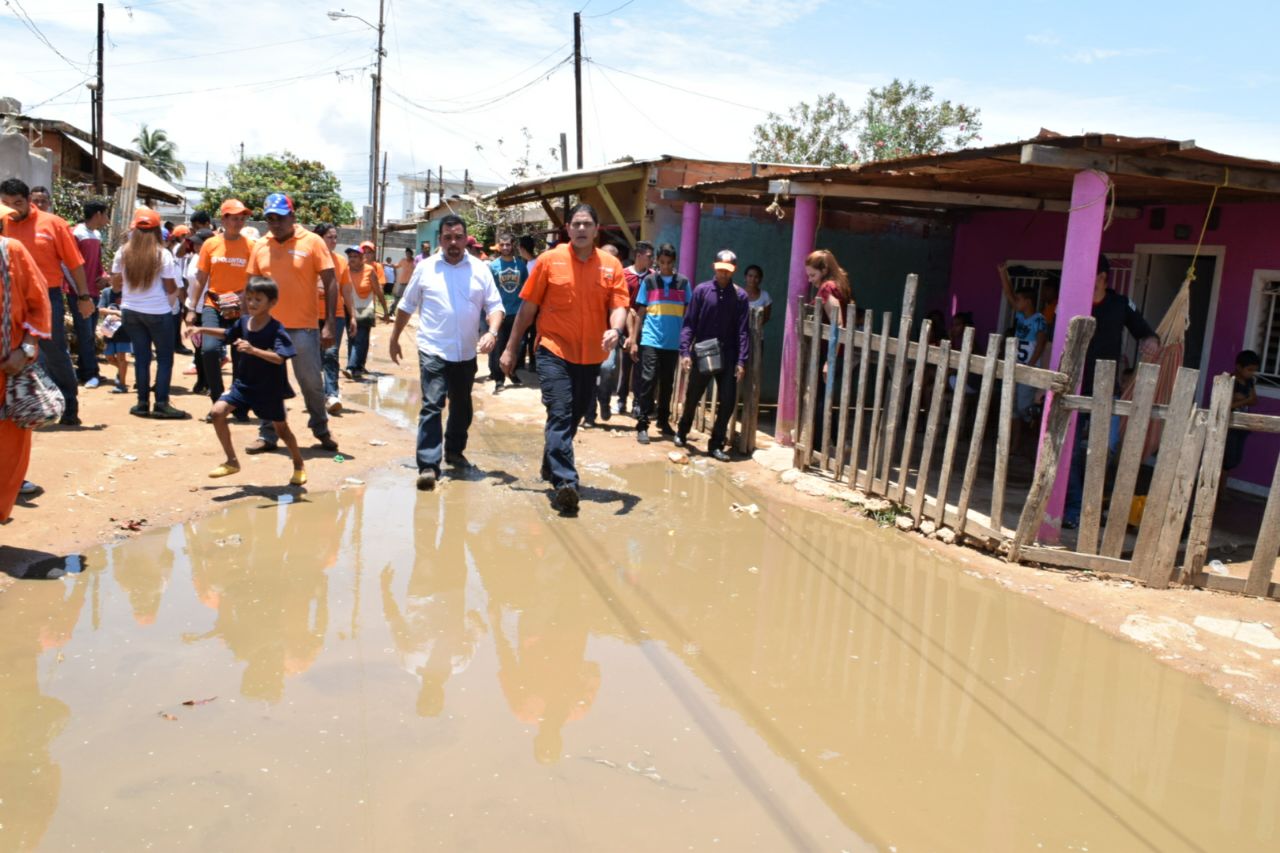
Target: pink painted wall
<point x="1249" y="233"/>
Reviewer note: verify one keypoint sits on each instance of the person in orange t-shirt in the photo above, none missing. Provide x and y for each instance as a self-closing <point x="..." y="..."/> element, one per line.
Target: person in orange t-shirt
<point x="344" y="313"/>
<point x="579" y="296"/>
<point x="364" y="280"/>
<point x="378" y="273"/>
<point x="28" y="323"/>
<point x="222" y="270"/>
<point x="294" y="258"/>
<point x="52" y="246"/>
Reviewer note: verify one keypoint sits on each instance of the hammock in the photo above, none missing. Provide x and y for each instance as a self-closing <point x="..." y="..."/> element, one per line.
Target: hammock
<point x="1172" y="334"/>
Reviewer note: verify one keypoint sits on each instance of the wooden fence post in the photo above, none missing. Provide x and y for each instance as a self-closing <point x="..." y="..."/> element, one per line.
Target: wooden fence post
<point x="979" y="432"/>
<point x="913" y="409"/>
<point x="810" y="400"/>
<point x="868" y="320"/>
<point x="953" y="424"/>
<point x="1095" y="474"/>
<point x="899" y="373"/>
<point x="1135" y="436"/>
<point x="942" y="368"/>
<point x="846" y="387"/>
<point x="1268" y="544"/>
<point x="829" y="386"/>
<point x="873" y="436"/>
<point x="1008" y="394"/>
<point x="1210" y="476"/>
<point x="1079" y="333"/>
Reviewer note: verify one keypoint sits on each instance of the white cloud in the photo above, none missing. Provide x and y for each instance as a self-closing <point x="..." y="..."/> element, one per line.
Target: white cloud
<point x="1043" y="39"/>
<point x="1088" y="56"/>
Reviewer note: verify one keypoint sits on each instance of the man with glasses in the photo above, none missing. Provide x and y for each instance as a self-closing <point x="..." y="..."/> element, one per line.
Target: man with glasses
<point x="294" y="258"/>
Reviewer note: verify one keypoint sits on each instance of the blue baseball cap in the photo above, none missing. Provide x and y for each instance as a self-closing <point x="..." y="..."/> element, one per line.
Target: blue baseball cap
<point x="279" y="204"/>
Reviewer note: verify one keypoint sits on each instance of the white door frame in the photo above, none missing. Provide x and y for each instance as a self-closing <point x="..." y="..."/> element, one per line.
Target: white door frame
<point x="1144" y="251"/>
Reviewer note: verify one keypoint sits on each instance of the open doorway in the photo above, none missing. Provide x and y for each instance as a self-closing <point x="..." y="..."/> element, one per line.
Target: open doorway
<point x="1161" y="270"/>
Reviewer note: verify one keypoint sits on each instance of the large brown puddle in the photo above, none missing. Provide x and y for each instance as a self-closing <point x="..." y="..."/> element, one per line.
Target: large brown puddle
<point x="465" y="671"/>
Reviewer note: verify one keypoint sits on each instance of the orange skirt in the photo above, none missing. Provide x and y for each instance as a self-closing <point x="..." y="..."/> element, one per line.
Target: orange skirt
<point x="15" y="455"/>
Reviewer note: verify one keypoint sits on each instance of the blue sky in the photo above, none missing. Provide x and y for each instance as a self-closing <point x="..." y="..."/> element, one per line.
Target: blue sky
<point x="714" y="69"/>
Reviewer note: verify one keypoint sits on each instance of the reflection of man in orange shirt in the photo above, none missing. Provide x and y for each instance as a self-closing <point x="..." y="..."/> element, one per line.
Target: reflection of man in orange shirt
<point x="579" y="296"/>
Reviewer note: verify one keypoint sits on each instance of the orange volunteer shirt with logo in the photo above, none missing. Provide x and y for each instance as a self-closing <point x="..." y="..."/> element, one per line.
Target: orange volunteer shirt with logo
<point x="226" y="262"/>
<point x="574" y="300"/>
<point x="363" y="282"/>
<point x="342" y="277"/>
<point x="49" y="240"/>
<point x="294" y="265"/>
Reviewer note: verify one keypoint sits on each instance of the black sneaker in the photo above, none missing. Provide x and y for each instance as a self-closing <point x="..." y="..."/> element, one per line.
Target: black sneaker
<point x="566" y="500"/>
<point x="678" y="441"/>
<point x="719" y="455"/>
<point x="666" y="430"/>
<point x="166" y="412"/>
<point x="457" y="460"/>
<point x="142" y="410"/>
<point x="426" y="480"/>
<point x="642" y="437"/>
<point x="588" y="423"/>
<point x="71" y="421"/>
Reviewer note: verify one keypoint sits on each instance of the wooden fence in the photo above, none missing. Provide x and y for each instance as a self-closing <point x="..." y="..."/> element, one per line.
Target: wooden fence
<point x="910" y="422"/>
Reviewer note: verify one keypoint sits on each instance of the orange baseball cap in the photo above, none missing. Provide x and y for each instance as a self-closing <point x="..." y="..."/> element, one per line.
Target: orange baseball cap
<point x="145" y="218"/>
<point x="180" y="231"/>
<point x="233" y="207"/>
<point x="366" y="246"/>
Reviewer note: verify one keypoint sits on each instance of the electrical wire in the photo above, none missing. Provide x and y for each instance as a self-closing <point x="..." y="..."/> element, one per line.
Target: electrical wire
<point x="491" y="101"/>
<point x="676" y="88"/>
<point x="262" y="84"/>
<point x="71" y="88"/>
<point x="611" y="11"/>
<point x="15" y="6"/>
<point x="633" y="104"/>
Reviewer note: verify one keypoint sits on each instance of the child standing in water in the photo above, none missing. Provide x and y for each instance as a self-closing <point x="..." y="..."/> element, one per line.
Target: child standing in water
<point x="261" y="384"/>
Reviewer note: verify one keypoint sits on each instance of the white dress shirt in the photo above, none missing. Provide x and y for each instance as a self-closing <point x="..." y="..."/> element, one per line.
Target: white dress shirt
<point x="450" y="301"/>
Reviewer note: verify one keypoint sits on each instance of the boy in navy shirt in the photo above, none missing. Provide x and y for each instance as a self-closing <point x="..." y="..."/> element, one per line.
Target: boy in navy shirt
<point x="261" y="384"/>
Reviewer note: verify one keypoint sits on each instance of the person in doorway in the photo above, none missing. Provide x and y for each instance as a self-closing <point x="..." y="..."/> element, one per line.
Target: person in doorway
<point x="510" y="273"/>
<point x="450" y="293"/>
<point x="222" y="271"/>
<point x="23" y="290"/>
<point x="147" y="275"/>
<point x="294" y="258"/>
<point x="658" y="311"/>
<point x="365" y="295"/>
<point x="629" y="378"/>
<point x="1032" y="333"/>
<point x="578" y="296"/>
<point x="757" y="295"/>
<point x="1244" y="396"/>
<point x="50" y="241"/>
<point x="1112" y="314"/>
<point x="344" y="314"/>
<point x="262" y="385"/>
<point x="717" y="312"/>
<point x="88" y="234"/>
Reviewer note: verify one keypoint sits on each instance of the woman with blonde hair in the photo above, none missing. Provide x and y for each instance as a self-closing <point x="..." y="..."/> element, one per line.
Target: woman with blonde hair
<point x="149" y="277"/>
<point x="833" y="295"/>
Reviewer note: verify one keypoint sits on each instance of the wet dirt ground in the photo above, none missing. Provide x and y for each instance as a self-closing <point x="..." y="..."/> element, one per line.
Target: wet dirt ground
<point x="465" y="669"/>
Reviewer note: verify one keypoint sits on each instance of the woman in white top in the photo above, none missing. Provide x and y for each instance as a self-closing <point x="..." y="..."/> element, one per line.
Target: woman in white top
<point x="147" y="274"/>
<point x="759" y="298"/>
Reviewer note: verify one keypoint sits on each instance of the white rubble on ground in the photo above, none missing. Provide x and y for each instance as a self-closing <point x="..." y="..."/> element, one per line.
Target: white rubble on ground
<point x="1254" y="633"/>
<point x="1159" y="632"/>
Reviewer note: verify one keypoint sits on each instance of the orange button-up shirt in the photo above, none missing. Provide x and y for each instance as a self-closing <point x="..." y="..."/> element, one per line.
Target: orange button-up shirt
<point x="574" y="300"/>
<point x="49" y="240"/>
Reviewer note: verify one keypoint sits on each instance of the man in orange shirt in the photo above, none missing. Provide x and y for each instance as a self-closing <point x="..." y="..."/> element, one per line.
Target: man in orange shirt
<point x="379" y="274"/>
<point x="50" y="241"/>
<point x="579" y="296"/>
<point x="344" y="314"/>
<point x="294" y="258"/>
<point x="222" y="270"/>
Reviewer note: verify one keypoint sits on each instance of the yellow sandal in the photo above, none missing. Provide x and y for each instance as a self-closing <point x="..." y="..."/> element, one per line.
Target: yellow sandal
<point x="299" y="478"/>
<point x="224" y="470"/>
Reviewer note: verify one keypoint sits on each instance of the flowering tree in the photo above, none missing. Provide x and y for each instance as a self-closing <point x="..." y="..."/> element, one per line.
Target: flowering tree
<point x="815" y="135"/>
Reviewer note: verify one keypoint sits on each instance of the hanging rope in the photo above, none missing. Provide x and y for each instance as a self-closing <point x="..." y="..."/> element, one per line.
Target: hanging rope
<point x="1226" y="179"/>
<point x="1108" y="195"/>
<point x="775" y="207"/>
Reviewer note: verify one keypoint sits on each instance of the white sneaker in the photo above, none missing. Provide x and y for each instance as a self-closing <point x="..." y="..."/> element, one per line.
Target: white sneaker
<point x="333" y="405"/>
<point x="93" y="382"/>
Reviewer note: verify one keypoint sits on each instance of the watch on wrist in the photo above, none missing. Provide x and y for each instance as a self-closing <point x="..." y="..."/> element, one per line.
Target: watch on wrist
<point x="83" y="296"/>
<point x="29" y="350"/>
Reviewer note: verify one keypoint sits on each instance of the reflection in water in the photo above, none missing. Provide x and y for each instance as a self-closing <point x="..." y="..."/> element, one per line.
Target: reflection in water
<point x="686" y="678"/>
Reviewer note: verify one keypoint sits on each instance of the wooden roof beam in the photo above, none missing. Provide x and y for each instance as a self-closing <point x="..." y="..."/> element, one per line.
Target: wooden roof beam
<point x="1157" y="168"/>
<point x="555" y="188"/>
<point x="946" y="198"/>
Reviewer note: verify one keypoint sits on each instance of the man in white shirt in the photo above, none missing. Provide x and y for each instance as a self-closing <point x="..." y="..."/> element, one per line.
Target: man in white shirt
<point x="450" y="291"/>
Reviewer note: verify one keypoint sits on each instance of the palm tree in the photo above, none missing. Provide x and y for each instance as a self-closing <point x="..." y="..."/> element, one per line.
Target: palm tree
<point x="159" y="153"/>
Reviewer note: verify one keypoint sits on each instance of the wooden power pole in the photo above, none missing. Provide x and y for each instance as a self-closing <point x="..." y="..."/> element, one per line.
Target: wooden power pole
<point x="577" y="77"/>
<point x="97" y="107"/>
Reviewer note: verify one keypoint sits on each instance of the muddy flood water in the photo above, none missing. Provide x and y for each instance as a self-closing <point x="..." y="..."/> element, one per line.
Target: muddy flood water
<point x="464" y="670"/>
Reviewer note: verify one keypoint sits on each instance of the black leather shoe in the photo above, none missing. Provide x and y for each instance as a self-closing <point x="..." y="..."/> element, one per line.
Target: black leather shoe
<point x="566" y="500"/>
<point x="642" y="438"/>
<point x="719" y="455"/>
<point x="426" y="480"/>
<point x="679" y="440"/>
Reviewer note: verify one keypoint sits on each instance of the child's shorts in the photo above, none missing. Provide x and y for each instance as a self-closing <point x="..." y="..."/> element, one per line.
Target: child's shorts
<point x="118" y="348"/>
<point x="1024" y="401"/>
<point x="240" y="401"/>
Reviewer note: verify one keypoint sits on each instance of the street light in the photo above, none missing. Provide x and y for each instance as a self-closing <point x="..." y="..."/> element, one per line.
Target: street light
<point x="376" y="135"/>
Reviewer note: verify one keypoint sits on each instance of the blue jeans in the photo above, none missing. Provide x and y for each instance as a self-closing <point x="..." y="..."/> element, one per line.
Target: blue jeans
<point x="358" y="346"/>
<point x="145" y="331"/>
<point x="86" y="351"/>
<point x="443" y="380"/>
<point x="212" y="349"/>
<point x="606" y="385"/>
<point x="307" y="373"/>
<point x="568" y="392"/>
<point x="329" y="358"/>
<point x="55" y="358"/>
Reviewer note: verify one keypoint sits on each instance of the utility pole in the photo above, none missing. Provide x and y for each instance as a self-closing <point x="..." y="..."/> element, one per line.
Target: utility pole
<point x="577" y="77"/>
<point x="382" y="199"/>
<point x="97" y="107"/>
<point x="564" y="167"/>
<point x="206" y="175"/>
<point x="440" y="184"/>
<point x="377" y="120"/>
<point x="242" y="153"/>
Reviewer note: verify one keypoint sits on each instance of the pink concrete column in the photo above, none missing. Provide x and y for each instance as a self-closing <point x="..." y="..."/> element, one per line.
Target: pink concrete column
<point x="690" y="220"/>
<point x="804" y="231"/>
<point x="1075" y="299"/>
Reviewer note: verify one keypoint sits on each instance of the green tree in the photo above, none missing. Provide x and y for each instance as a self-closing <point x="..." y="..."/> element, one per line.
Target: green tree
<point x="902" y="119"/>
<point x="159" y="153"/>
<point x="316" y="192"/>
<point x="815" y="134"/>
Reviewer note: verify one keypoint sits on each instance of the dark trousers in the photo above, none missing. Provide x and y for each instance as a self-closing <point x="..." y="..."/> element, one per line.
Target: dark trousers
<point x="358" y="346"/>
<point x="55" y="358"/>
<point x="86" y="351"/>
<point x="504" y="336"/>
<point x="568" y="392"/>
<point x="212" y="349"/>
<point x="657" y="369"/>
<point x="629" y="380"/>
<point x="145" y="331"/>
<point x="329" y="357"/>
<point x="726" y="388"/>
<point x="443" y="381"/>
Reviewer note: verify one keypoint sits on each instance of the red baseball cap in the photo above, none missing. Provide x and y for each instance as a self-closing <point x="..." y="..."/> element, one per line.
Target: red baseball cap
<point x="146" y="219"/>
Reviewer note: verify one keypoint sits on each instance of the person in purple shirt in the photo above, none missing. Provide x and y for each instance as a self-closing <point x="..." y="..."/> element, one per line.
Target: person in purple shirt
<point x="717" y="311"/>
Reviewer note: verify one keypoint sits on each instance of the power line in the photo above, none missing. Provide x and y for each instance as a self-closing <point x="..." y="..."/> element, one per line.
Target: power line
<point x="20" y="13"/>
<point x="71" y="88"/>
<point x="546" y="75"/>
<point x="677" y="88"/>
<point x="610" y="12"/>
<point x="634" y="105"/>
<point x="252" y="84"/>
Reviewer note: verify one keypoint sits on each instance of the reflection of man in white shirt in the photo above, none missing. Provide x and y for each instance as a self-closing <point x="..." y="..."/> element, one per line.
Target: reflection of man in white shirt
<point x="450" y="292"/>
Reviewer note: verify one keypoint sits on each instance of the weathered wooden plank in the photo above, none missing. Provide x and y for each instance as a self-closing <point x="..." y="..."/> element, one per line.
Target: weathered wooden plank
<point x="1135" y="434"/>
<point x="856" y="444"/>
<point x="810" y="390"/>
<point x="1207" y="486"/>
<point x="802" y="360"/>
<point x="953" y="424"/>
<point x="1234" y="585"/>
<point x="899" y="376"/>
<point x="873" y="437"/>
<point x="913" y="410"/>
<point x="1095" y="472"/>
<point x="1079" y="332"/>
<point x="1165" y="562"/>
<point x="756" y="370"/>
<point x="1074" y="560"/>
<point x="1000" y="477"/>
<point x="1255" y="423"/>
<point x="828" y="386"/>
<point x="1265" y="551"/>
<point x="930" y="433"/>
<point x="846" y="389"/>
<point x="985" y="391"/>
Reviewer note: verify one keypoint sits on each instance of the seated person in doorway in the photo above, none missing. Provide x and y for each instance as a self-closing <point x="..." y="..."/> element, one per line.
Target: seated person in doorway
<point x="1243" y="396"/>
